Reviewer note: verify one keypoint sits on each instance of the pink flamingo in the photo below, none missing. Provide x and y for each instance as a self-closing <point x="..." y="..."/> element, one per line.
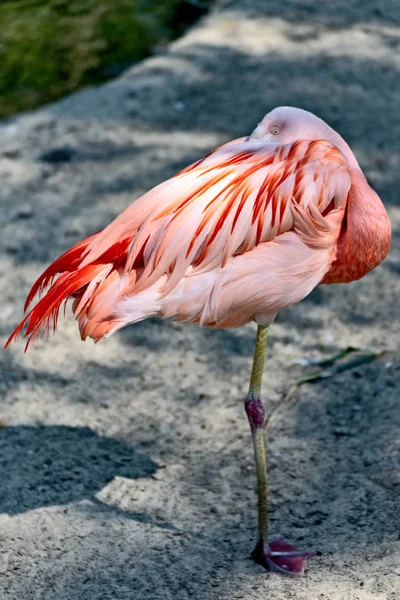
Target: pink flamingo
<point x="246" y="231"/>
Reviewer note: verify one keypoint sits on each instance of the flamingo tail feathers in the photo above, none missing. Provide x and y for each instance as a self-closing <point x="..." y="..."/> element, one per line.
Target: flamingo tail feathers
<point x="44" y="315"/>
<point x="69" y="261"/>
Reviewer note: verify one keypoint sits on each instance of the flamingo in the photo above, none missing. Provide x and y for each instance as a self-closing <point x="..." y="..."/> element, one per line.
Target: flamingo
<point x="246" y="231"/>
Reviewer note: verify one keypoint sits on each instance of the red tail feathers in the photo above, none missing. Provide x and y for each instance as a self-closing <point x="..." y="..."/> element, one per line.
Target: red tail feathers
<point x="82" y="283"/>
<point x="45" y="313"/>
<point x="69" y="261"/>
<point x="68" y="283"/>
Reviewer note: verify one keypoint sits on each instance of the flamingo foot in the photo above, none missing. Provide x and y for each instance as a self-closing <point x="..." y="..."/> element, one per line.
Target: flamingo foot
<point x="280" y="557"/>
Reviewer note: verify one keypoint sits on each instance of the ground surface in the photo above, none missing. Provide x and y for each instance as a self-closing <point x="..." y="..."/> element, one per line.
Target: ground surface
<point x="126" y="468"/>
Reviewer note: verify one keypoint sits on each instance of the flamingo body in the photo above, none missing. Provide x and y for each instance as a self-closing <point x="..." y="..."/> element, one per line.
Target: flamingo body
<point x="237" y="236"/>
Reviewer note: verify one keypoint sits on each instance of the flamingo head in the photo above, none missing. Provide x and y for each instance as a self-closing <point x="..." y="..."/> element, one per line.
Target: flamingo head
<point x="286" y="124"/>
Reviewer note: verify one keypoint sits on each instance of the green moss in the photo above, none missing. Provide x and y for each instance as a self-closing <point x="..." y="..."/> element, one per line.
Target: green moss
<point x="51" y="47"/>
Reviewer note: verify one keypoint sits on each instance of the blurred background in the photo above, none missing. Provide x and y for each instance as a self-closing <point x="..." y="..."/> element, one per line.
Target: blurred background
<point x="126" y="468"/>
<point x="49" y="48"/>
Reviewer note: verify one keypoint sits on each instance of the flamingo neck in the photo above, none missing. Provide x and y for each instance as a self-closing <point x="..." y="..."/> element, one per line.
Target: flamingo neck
<point x="365" y="236"/>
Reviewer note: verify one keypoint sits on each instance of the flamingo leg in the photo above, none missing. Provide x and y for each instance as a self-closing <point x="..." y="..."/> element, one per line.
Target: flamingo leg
<point x="277" y="555"/>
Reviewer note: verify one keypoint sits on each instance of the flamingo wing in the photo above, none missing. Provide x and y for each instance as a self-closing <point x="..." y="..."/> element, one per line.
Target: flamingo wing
<point x="240" y="197"/>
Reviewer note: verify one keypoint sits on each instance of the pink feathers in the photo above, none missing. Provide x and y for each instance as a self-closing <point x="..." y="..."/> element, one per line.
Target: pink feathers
<point x="46" y="311"/>
<point x="238" y="235"/>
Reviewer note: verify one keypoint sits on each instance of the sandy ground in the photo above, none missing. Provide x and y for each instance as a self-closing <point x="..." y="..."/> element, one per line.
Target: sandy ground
<point x="127" y="467"/>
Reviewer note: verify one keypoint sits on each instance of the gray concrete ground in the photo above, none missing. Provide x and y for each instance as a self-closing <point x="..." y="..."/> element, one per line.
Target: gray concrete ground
<point x="126" y="467"/>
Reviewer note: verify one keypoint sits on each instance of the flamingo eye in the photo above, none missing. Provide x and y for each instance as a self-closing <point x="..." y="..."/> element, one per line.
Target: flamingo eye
<point x="275" y="130"/>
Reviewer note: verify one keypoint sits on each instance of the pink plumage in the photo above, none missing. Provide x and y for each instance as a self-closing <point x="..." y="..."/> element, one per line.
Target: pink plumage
<point x="239" y="235"/>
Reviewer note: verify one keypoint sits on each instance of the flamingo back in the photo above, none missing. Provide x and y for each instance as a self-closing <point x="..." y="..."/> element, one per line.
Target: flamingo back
<point x="240" y="217"/>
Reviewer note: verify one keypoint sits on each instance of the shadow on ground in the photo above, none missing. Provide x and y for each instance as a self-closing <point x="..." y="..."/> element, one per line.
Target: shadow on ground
<point x="59" y="464"/>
